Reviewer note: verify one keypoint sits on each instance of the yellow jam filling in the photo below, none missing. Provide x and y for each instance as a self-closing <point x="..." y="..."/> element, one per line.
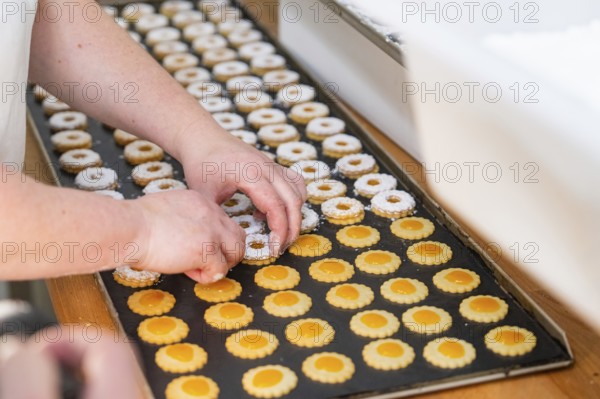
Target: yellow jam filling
<point x="232" y="311"/>
<point x="484" y="304"/>
<point x="310" y="329"/>
<point x="231" y="202"/>
<point x="390" y="349"/>
<point x="275" y="272"/>
<point x="307" y="242"/>
<point x="428" y="249"/>
<point x="378" y="258"/>
<point x="257" y="245"/>
<point x="451" y="349"/>
<point x="510" y="337"/>
<point x="426" y="316"/>
<point x="286" y="299"/>
<point x="358" y="232"/>
<point x="253" y="341"/>
<point x="161" y="326"/>
<point x="267" y="378"/>
<point x="152" y="299"/>
<point x="411" y="224"/>
<point x="332" y="267"/>
<point x="343" y="207"/>
<point x="347" y="292"/>
<point x="403" y="287"/>
<point x="373" y="320"/>
<point x="459" y="277"/>
<point x="196" y="387"/>
<point x="181" y="352"/>
<point x="218" y="286"/>
<point x="329" y="363"/>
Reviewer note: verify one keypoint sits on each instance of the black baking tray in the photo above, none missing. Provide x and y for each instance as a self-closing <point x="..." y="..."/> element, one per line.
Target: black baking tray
<point x="552" y="350"/>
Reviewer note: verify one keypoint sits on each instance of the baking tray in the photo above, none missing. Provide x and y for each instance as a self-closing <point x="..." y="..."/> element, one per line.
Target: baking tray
<point x="552" y="350"/>
<point x="383" y="37"/>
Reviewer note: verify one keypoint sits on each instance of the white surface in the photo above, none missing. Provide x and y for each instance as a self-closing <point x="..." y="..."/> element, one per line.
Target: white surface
<point x="546" y="217"/>
<point x="351" y="66"/>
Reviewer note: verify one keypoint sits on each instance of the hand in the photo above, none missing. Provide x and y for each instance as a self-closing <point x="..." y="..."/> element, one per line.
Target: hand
<point x="183" y="231"/>
<point x="32" y="369"/>
<point x="220" y="164"/>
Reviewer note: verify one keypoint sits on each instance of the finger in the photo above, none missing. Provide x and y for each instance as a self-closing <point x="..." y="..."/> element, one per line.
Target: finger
<point x="30" y="373"/>
<point x="211" y="265"/>
<point x="268" y="201"/>
<point x="293" y="204"/>
<point x="233" y="242"/>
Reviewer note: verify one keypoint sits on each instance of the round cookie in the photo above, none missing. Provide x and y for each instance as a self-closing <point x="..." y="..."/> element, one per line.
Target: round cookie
<point x="142" y="151"/>
<point x="181" y="358"/>
<point x="343" y="210"/>
<point x="197" y="29"/>
<point x="263" y="63"/>
<point x="320" y="191"/>
<point x="74" y="161"/>
<point x="68" y="120"/>
<point x="429" y="253"/>
<point x="266" y="116"/>
<point x="162" y="330"/>
<point x="244" y="83"/>
<point x="146" y="172"/>
<point x="223" y="290"/>
<point x="354" y="166"/>
<point x="292" y="152"/>
<point x="160" y="185"/>
<point x="71" y="140"/>
<point x="483" y="308"/>
<point x="378" y="262"/>
<point x="456" y="280"/>
<point x="228" y="316"/>
<point x="174" y="62"/>
<point x="162" y="49"/>
<point x="123" y="138"/>
<point x="305" y="112"/>
<point x="201" y="89"/>
<point x="373" y="183"/>
<point x="388" y="354"/>
<point x="246" y="136"/>
<point x="310" y="245"/>
<point x="310" y="220"/>
<point x="229" y="120"/>
<point x="374" y="324"/>
<point x="192" y="386"/>
<point x="449" y="353"/>
<point x="251" y="344"/>
<point x="412" y="228"/>
<point x="426" y="320"/>
<point x="224" y="71"/>
<point x="287" y="303"/>
<point x="96" y="178"/>
<point x="297" y="94"/>
<point x="321" y="128"/>
<point x="309" y="333"/>
<point x="258" y="251"/>
<point x="270" y="381"/>
<point x="250" y="224"/>
<point x="311" y="170"/>
<point x="358" y="236"/>
<point x="274" y="135"/>
<point x="404" y="290"/>
<point x="331" y="270"/>
<point x="151" y="302"/>
<point x="239" y="38"/>
<point x="393" y="204"/>
<point x="350" y="296"/>
<point x="339" y="145"/>
<point x="275" y="80"/>
<point x="277" y="277"/>
<point x="251" y="50"/>
<point x="190" y="75"/>
<point x="202" y="44"/>
<point x="510" y="341"/>
<point x="328" y="367"/>
<point x="238" y="204"/>
<point x="135" y="278"/>
<point x="216" y="104"/>
<point x="214" y="56"/>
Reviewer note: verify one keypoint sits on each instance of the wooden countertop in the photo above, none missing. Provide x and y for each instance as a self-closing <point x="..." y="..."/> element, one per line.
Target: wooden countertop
<point x="78" y="299"/>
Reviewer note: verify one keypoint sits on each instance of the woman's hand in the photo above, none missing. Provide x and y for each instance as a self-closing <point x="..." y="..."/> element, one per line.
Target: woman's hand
<point x="183" y="231"/>
<point x="219" y="164"/>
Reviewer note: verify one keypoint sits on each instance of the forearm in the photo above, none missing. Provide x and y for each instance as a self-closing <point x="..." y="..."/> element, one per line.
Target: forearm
<point x="49" y="232"/>
<point x="135" y="92"/>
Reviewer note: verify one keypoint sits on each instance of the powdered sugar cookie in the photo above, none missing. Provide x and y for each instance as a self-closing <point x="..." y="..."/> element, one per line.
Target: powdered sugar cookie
<point x="338" y="145"/>
<point x="266" y="116"/>
<point x="274" y="135"/>
<point x="160" y="185"/>
<point x="312" y="170"/>
<point x="320" y="191"/>
<point x="144" y="173"/>
<point x="343" y="210"/>
<point x="95" y="178"/>
<point x="321" y="128"/>
<point x="289" y="153"/>
<point x="373" y="183"/>
<point x="354" y="166"/>
<point x="307" y="111"/>
<point x="293" y="94"/>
